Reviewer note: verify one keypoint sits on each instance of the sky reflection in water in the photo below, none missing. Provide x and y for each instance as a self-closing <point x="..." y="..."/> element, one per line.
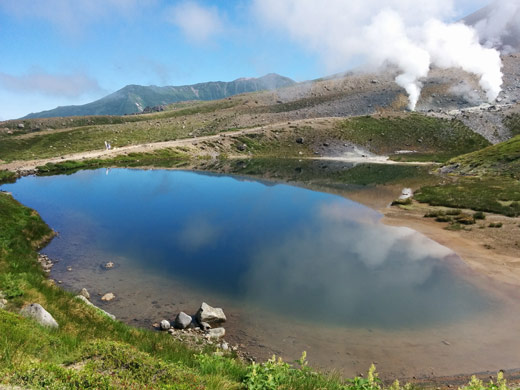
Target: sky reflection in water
<point x="311" y="255"/>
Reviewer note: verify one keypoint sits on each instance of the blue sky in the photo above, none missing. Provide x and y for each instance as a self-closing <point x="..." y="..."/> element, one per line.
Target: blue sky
<point x="61" y="52"/>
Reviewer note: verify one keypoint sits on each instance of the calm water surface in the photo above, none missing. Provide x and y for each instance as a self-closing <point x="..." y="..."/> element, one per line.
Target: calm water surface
<point x="306" y="255"/>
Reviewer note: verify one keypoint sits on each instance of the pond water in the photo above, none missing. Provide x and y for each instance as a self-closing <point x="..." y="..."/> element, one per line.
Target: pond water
<point x="282" y="261"/>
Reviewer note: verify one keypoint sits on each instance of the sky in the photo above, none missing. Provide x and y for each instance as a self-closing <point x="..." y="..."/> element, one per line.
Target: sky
<point x="63" y="52"/>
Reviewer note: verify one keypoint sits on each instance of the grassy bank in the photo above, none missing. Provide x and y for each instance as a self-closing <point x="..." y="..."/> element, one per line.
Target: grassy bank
<point x="485" y="180"/>
<point x="432" y="139"/>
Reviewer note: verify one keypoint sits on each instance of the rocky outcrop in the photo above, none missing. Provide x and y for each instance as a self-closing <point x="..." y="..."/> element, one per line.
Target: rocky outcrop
<point x="211" y="315"/>
<point x="39" y="314"/>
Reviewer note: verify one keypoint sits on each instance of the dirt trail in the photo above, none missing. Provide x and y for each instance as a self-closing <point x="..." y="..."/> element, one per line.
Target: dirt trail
<point x="24" y="166"/>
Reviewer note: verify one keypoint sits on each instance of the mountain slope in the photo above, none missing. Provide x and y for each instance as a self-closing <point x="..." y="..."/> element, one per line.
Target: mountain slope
<point x="493" y="18"/>
<point x="134" y="98"/>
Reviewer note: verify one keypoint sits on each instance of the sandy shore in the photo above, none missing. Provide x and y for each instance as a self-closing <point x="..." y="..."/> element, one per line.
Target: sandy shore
<point x="492" y="252"/>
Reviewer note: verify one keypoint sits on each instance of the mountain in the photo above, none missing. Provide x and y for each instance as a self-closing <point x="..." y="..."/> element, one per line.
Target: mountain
<point x="134" y="98"/>
<point x="498" y="25"/>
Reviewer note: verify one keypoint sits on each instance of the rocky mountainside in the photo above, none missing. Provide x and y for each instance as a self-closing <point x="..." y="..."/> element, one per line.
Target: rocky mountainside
<point x="510" y="40"/>
<point x="135" y="98"/>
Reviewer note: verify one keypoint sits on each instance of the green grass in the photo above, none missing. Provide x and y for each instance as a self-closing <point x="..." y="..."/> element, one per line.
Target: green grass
<point x="499" y="195"/>
<point x="500" y="159"/>
<point x="433" y="139"/>
<point x="7" y="176"/>
<point x="162" y="158"/>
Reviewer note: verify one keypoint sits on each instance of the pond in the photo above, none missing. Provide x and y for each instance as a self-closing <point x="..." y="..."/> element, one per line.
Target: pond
<point x="294" y="269"/>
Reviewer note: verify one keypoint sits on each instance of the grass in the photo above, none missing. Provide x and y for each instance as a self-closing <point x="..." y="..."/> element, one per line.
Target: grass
<point x="500" y="195"/>
<point x="7" y="176"/>
<point x="163" y="158"/>
<point x="502" y="159"/>
<point x="433" y="139"/>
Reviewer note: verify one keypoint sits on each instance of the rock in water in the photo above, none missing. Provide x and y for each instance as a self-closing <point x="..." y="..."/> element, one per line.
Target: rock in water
<point x="211" y="315"/>
<point x="216" y="333"/>
<point x="39" y="314"/>
<point x="165" y="325"/>
<point x="182" y="321"/>
<point x="108" y="297"/>
<point x="84" y="293"/>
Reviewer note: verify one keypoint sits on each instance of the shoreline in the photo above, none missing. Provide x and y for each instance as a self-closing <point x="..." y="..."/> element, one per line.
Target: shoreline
<point x="484" y="250"/>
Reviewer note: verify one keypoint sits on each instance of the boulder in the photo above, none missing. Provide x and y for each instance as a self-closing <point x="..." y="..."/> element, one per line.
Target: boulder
<point x="84" y="293"/>
<point x="165" y="325"/>
<point x="216" y="333"/>
<point x="211" y="315"/>
<point x="39" y="314"/>
<point x="84" y="299"/>
<point x="108" y="297"/>
<point x="205" y="326"/>
<point x="182" y="321"/>
<point x="20" y="125"/>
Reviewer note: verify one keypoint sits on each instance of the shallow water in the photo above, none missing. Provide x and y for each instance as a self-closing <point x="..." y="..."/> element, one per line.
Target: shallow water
<point x="283" y="261"/>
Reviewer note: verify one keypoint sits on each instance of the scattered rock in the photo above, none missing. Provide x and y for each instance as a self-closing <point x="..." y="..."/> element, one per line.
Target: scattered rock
<point x="3" y="301"/>
<point x="84" y="299"/>
<point x="182" y="321"/>
<point x="69" y="268"/>
<point x="216" y="333"/>
<point x="165" y="325"/>
<point x="242" y="147"/>
<point x="171" y="331"/>
<point x="406" y="193"/>
<point x="205" y="326"/>
<point x="84" y="293"/>
<point x="299" y="140"/>
<point x="209" y="314"/>
<point x="109" y="265"/>
<point x="445" y="342"/>
<point x="39" y="314"/>
<point x="20" y="125"/>
<point x="108" y="297"/>
<point x="224" y="346"/>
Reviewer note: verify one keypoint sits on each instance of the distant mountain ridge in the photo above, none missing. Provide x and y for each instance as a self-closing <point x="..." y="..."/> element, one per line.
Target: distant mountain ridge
<point x="134" y="98"/>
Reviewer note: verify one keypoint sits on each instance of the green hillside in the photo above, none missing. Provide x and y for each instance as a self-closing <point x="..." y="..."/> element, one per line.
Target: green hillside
<point x="134" y="98"/>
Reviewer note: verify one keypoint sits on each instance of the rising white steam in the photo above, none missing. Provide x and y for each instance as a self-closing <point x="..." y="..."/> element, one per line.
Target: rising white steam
<point x="403" y="33"/>
<point x="499" y="25"/>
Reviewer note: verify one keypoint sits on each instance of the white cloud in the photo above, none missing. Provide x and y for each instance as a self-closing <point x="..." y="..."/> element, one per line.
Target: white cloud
<point x="407" y="34"/>
<point x="72" y="16"/>
<point x="199" y="24"/>
<point x="41" y="82"/>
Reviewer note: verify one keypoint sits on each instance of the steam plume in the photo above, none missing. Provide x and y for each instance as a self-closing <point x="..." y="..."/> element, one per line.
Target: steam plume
<point x="406" y="34"/>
